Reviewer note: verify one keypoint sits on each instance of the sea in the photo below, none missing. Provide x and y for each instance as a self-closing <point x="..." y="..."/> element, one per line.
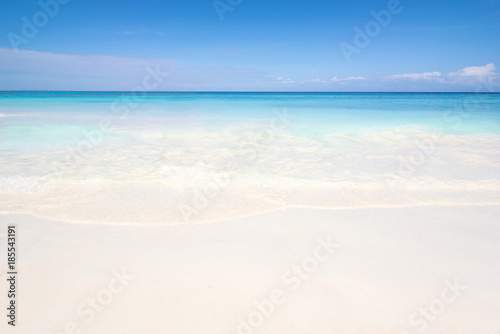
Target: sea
<point x="194" y="157"/>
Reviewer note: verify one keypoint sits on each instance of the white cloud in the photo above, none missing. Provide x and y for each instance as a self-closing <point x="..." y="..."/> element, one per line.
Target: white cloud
<point x="475" y="71"/>
<point x="283" y="80"/>
<point x="34" y="70"/>
<point x="75" y="66"/>
<point x="417" y="76"/>
<point x="348" y="79"/>
<point x="468" y="75"/>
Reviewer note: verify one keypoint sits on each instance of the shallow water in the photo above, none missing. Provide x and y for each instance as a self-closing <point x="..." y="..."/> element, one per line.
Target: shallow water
<point x="161" y="157"/>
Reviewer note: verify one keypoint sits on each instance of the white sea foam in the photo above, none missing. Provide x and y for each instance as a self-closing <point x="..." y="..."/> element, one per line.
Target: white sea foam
<point x="160" y="177"/>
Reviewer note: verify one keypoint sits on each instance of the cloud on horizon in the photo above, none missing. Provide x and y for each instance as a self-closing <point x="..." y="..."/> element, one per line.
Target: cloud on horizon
<point x="475" y="71"/>
<point x="25" y="69"/>
<point x="417" y="76"/>
<point x="468" y="75"/>
<point x="335" y="79"/>
<point x="35" y="70"/>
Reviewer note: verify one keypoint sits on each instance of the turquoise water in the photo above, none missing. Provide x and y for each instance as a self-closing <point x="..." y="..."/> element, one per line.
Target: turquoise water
<point x="121" y="158"/>
<point x="45" y="120"/>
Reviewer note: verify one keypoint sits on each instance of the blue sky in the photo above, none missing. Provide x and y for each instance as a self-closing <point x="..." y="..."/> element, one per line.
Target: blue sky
<point x="250" y="45"/>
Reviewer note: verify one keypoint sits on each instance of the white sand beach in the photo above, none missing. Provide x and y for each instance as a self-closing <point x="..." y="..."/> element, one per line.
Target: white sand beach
<point x="431" y="269"/>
